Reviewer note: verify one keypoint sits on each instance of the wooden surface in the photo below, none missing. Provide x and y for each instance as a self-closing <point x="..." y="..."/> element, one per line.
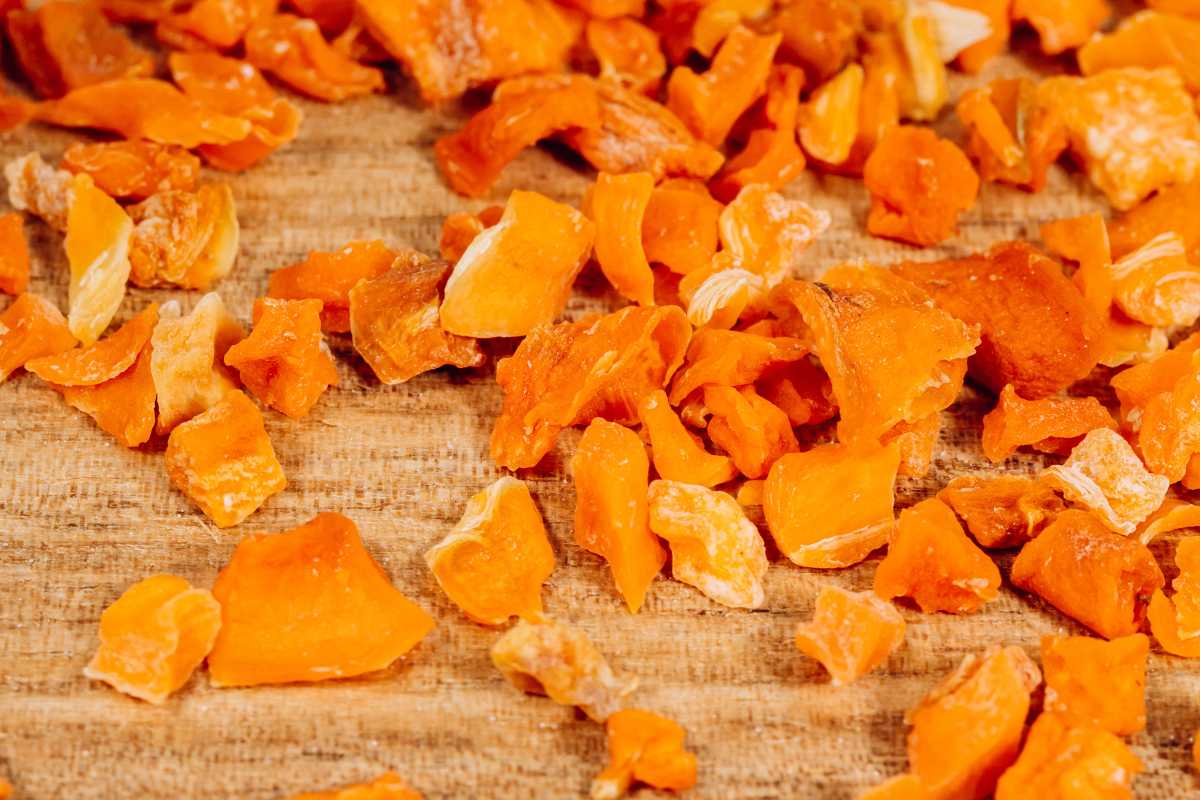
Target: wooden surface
<point x="81" y="518"/>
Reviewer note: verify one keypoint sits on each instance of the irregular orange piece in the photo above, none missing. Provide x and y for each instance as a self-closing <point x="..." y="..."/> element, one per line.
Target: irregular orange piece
<point x="645" y="748"/>
<point x="901" y="787"/>
<point x="609" y="9"/>
<point x="1089" y="573"/>
<point x="679" y="226"/>
<point x="31" y="327"/>
<point x="1084" y="239"/>
<point x="832" y="505"/>
<point x="973" y="58"/>
<point x="1001" y="511"/>
<point x="329" y="277"/>
<point x="1156" y="285"/>
<point x="294" y="51"/>
<point x="1049" y="424"/>
<point x="133" y="170"/>
<point x="98" y="246"/>
<point x="461" y="228"/>
<point x="186" y="239"/>
<point x="713" y="546"/>
<point x="560" y="661"/>
<point x="122" y="406"/>
<point x="42" y="190"/>
<point x="1010" y="136"/>
<point x="771" y="155"/>
<point x="1172" y="209"/>
<point x="821" y="35"/>
<point x="731" y="358"/>
<point x="1172" y="515"/>
<point x="493" y="563"/>
<point x="14" y="254"/>
<point x="801" y="389"/>
<point x="851" y="633"/>
<point x="1146" y="39"/>
<point x="1060" y="762"/>
<point x="967" y="730"/>
<point x="678" y="454"/>
<point x="1094" y="683"/>
<point x="188" y="365"/>
<point x="100" y="361"/>
<point x="212" y="24"/>
<point x="924" y="88"/>
<point x="714" y="20"/>
<point x="884" y="73"/>
<point x="1175" y="622"/>
<point x="1161" y="389"/>
<point x="1187" y="8"/>
<point x="754" y="432"/>
<point x="570" y="373"/>
<point x="617" y="205"/>
<point x="331" y="15"/>
<point x="137" y="10"/>
<point x="919" y="186"/>
<point x="388" y="786"/>
<point x="917" y="442"/>
<point x="828" y="122"/>
<point x="309" y="604"/>
<point x="395" y="324"/>
<point x="154" y="636"/>
<point x="1062" y="24"/>
<point x="628" y="53"/>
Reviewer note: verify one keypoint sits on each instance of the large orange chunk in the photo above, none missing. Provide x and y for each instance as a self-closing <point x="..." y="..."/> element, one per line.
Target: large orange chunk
<point x="329" y="277"/>
<point x="294" y="51"/>
<point x="1091" y="682"/>
<point x="101" y="361"/>
<point x="186" y="239"/>
<point x="309" y="604"/>
<point x="1147" y="39"/>
<point x="154" y="636"/>
<point x="546" y="657"/>
<point x="98" y="253"/>
<point x="617" y="204"/>
<point x="1175" y="621"/>
<point x="133" y="170"/>
<point x="1089" y="573"/>
<point x="1156" y="285"/>
<point x="644" y="748"/>
<point x="678" y="453"/>
<point x="1172" y="209"/>
<point x="1049" y="424"/>
<point x="628" y="53"/>
<point x="611" y="519"/>
<point x="713" y="546"/>
<point x="931" y="560"/>
<point x="679" y="227"/>
<point x="1062" y="24"/>
<point x="14" y="254"/>
<point x="388" y="786"/>
<point x="967" y="730"/>
<point x="752" y="430"/>
<point x="1010" y="136"/>
<point x="188" y="365"/>
<point x="1063" y="762"/>
<point x="832" y="505"/>
<point x="731" y="358"/>
<point x="771" y="155"/>
<point x="1001" y="511"/>
<point x="851" y="633"/>
<point x="570" y="373"/>
<point x="31" y="327"/>
<point x="493" y="563"/>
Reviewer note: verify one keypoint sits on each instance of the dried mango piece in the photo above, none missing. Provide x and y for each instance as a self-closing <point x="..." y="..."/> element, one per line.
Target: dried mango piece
<point x="617" y="205"/>
<point x="1172" y="209"/>
<point x="713" y="546"/>
<point x="1001" y="511"/>
<point x="560" y="661"/>
<point x="678" y="454"/>
<point x="679" y="226"/>
<point x="1060" y="762"/>
<point x="1146" y="39"/>
<point x="97" y="245"/>
<point x="388" y="786"/>
<point x="832" y="505"/>
<point x="1175" y="622"/>
<point x="212" y="24"/>
<point x="771" y="155"/>
<point x="154" y="636"/>
<point x="571" y="373"/>
<point x="122" y="406"/>
<point x="1174" y="514"/>
<point x="493" y="563"/>
<point x="919" y="186"/>
<point x="188" y="361"/>
<point x="611" y="519"/>
<point x="828" y="122"/>
<point x="973" y="58"/>
<point x="801" y="389"/>
<point x="294" y="51"/>
<point x="309" y="604"/>
<point x="901" y="787"/>
<point x="1062" y="24"/>
<point x="186" y="239"/>
<point x="628" y="53"/>
<point x="749" y="428"/>
<point x="967" y="730"/>
<point x="133" y="170"/>
<point x="461" y="228"/>
<point x="1049" y="424"/>
<point x="766" y="233"/>
<point x="1089" y="573"/>
<point x="1156" y="285"/>
<point x="395" y="324"/>
<point x="1010" y="136"/>
<point x="1094" y="683"/>
<point x="851" y="633"/>
<point x="329" y="277"/>
<point x="645" y="748"/>
<point x="100" y="361"/>
<point x="917" y="442"/>
<point x="14" y="254"/>
<point x="31" y="327"/>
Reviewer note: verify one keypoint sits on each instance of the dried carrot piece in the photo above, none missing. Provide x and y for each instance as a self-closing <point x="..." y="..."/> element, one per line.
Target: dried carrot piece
<point x="828" y="122"/>
<point x="1172" y="209"/>
<point x="31" y="327"/>
<point x="329" y="277"/>
<point x="133" y="170"/>
<point x="679" y="226"/>
<point x="14" y="254"/>
<point x="101" y="361"/>
<point x="1156" y="285"/>
<point x="628" y="53"/>
<point x="212" y="24"/>
<point x="754" y="432"/>
<point x="1001" y="511"/>
<point x="678" y="454"/>
<point x="1146" y="39"/>
<point x="294" y="51"/>
<point x="187" y="239"/>
<point x="851" y="633"/>
<point x="771" y="155"/>
<point x="1094" y="683"/>
<point x="821" y="35"/>
<point x="1062" y="24"/>
<point x="1175" y="621"/>
<point x="388" y="786"/>
<point x="617" y="205"/>
<point x="645" y="748"/>
<point x="1010" y="136"/>
<point x="1058" y="757"/>
<point x="1049" y="424"/>
<point x="98" y="246"/>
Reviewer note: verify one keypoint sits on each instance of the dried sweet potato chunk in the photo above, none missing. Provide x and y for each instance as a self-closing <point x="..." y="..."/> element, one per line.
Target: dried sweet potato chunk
<point x="1091" y="682"/>
<point x="713" y="546"/>
<point x="329" y="277"/>
<point x="493" y="563"/>
<point x="678" y="454"/>
<point x="828" y="122"/>
<point x="851" y="633"/>
<point x="102" y="360"/>
<point x="1001" y="511"/>
<point x="309" y="604"/>
<point x="122" y="406"/>
<point x="1089" y="573"/>
<point x="1147" y="39"/>
<point x="1175" y="621"/>
<point x="546" y="657"/>
<point x="1011" y="138"/>
<point x="1172" y="209"/>
<point x="154" y="636"/>
<point x="98" y="248"/>
<point x="190" y="375"/>
<point x="771" y="155"/>
<point x="1156" y="285"/>
<point x="753" y="431"/>
<point x="186" y="239"/>
<point x="1062" y="24"/>
<point x="293" y="50"/>
<point x="1048" y="424"/>
<point x="388" y="786"/>
<point x="14" y="254"/>
<point x="31" y="327"/>
<point x="617" y="205"/>
<point x="679" y="227"/>
<point x="628" y="53"/>
<point x="644" y="748"/>
<point x="1061" y="761"/>
<point x="212" y="24"/>
<point x="133" y="170"/>
<point x="832" y="505"/>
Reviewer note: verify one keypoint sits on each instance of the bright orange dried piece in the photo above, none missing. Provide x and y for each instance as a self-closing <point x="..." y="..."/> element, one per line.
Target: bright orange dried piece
<point x="1049" y="424"/>
<point x="1089" y="573"/>
<point x="1001" y="511"/>
<point x="133" y="170"/>
<point x="972" y="58"/>
<point x="42" y="190"/>
<point x="754" y="432"/>
<point x="154" y="636"/>
<point x="1172" y="515"/>
<point x="100" y="361"/>
<point x="309" y="604"/>
<point x="1175" y="621"/>
<point x="1168" y="426"/>
<point x="901" y="787"/>
<point x="1094" y="683"/>
<point x="924" y="88"/>
<point x="917" y="442"/>
<point x="832" y="505"/>
<point x="771" y="155"/>
<point x="801" y="389"/>
<point x="493" y="563"/>
<point x="395" y="324"/>
<point x="1187" y="8"/>
<point x="715" y="19"/>
<point x="645" y="748"/>
<point x="819" y="34"/>
<point x="967" y="730"/>
<point x="919" y="186"/>
<point x="546" y="657"/>
<point x="186" y="239"/>
<point x="851" y="633"/>
<point x="1061" y="762"/>
<point x="212" y="24"/>
<point x="1084" y="239"/>
<point x="388" y="786"/>
<point x="332" y="15"/>
<point x="293" y="50"/>
<point x="884" y="73"/>
<point x="14" y="254"/>
<point x="1156" y="285"/>
<point x="1172" y="209"/>
<point x="679" y="226"/>
<point x="1010" y="136"/>
<point x="828" y="122"/>
<point x="617" y="205"/>
<point x="122" y="406"/>
<point x="713" y="546"/>
<point x="628" y="53"/>
<point x="1062" y="24"/>
<point x="1147" y="39"/>
<point x="462" y="227"/>
<point x="678" y="454"/>
<point x="611" y="519"/>
<point x="98" y="247"/>
<point x="329" y="277"/>
<point x="31" y="327"/>
<point x="765" y="233"/>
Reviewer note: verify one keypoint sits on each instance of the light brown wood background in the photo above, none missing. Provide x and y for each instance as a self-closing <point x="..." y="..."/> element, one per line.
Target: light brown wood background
<point x="81" y="518"/>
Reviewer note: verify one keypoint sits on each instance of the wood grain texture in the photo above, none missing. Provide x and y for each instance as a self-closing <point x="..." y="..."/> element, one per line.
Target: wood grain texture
<point x="82" y="517"/>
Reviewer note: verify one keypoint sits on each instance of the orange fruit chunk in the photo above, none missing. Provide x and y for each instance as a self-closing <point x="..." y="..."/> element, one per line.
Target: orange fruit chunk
<point x="714" y="21"/>
<point x="1049" y="424"/>
<point x="570" y="373"/>
<point x="1084" y="239"/>
<point x="1169" y="426"/>
<point x="923" y="89"/>
<point x="137" y="10"/>
<point x="329" y="277"/>
<point x="31" y="327"/>
<point x="186" y="239"/>
<point x="617" y="205"/>
<point x="460" y="229"/>
<point x="546" y="657"/>
<point x="820" y="35"/>
<point x="731" y="358"/>
<point x="931" y="560"/>
<point x="919" y="186"/>
<point x="611" y="518"/>
<point x="884" y="73"/>
<point x="309" y="604"/>
<point x="678" y="454"/>
<point x="851" y="633"/>
<point x="293" y="50"/>
<point x="493" y="563"/>
<point x="1089" y="573"/>
<point x="917" y="442"/>
<point x="154" y="636"/>
<point x="771" y="155"/>
<point x="628" y="53"/>
<point x="1094" y="683"/>
<point x="388" y="786"/>
<point x="609" y="9"/>
<point x="188" y="359"/>
<point x="1001" y="511"/>
<point x="801" y="389"/>
<point x="1061" y="762"/>
<point x="828" y="122"/>
<point x="972" y="58"/>
<point x="14" y="254"/>
<point x="1137" y="386"/>
<point x="212" y="24"/>
<point x="122" y="406"/>
<point x="900" y="787"/>
<point x="42" y="190"/>
<point x="1187" y="8"/>
<point x="1172" y="209"/>
<point x="1174" y="514"/>
<point x="98" y="246"/>
<point x="1156" y="285"/>
<point x="1146" y="39"/>
<point x="1175" y="621"/>
<point x="284" y="362"/>
<point x="133" y="170"/>
<point x="517" y="274"/>
<point x="395" y="325"/>
<point x="645" y="748"/>
<point x="679" y="226"/>
<point x="1062" y="25"/>
<point x="754" y="432"/>
<point x="1010" y="136"/>
<point x="967" y="730"/>
<point x="331" y="15"/>
<point x="101" y="361"/>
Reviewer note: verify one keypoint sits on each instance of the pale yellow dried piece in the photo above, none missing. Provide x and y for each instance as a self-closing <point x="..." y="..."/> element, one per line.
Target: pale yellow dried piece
<point x="919" y="39"/>
<point x="97" y="246"/>
<point x="721" y="298"/>
<point x="956" y="28"/>
<point x="40" y="189"/>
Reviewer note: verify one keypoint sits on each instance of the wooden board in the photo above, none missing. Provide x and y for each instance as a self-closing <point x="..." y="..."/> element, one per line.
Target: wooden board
<point x="82" y="517"/>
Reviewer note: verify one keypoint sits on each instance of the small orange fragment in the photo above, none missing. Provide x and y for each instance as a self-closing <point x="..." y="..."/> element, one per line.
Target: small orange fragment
<point x="1168" y="424"/>
<point x="122" y="406"/>
<point x="802" y="389"/>
<point x="1147" y="39"/>
<point x="731" y="358"/>
<point x="154" y="636"/>
<point x="186" y="239"/>
<point x="884" y="73"/>
<point x="1156" y="285"/>
<point x="678" y="454"/>
<point x="754" y="432"/>
<point x="828" y="122"/>
<point x="717" y="18"/>
<point x="133" y="170"/>
<point x="617" y="205"/>
<point x="1172" y="209"/>
<point x="924" y="88"/>
<point x="679" y="226"/>
<point x="98" y="252"/>
<point x="771" y="156"/>
<point x="1062" y="24"/>
<point x="293" y="50"/>
<point x="1062" y="762"/>
<point x="1091" y="682"/>
<point x="1137" y="386"/>
<point x="42" y="190"/>
<point x="645" y="748"/>
<point x="89" y="365"/>
<point x="821" y="35"/>
<point x="462" y="227"/>
<point x="212" y="24"/>
<point x="309" y="604"/>
<point x="1174" y="514"/>
<point x="851" y="633"/>
<point x="1001" y="511"/>
<point x="973" y="58"/>
<point x="1049" y="424"/>
<point x="31" y="327"/>
<point x="1010" y="136"/>
<point x="1175" y="621"/>
<point x="388" y="786"/>
<point x="628" y="53"/>
<point x="14" y="254"/>
<point x="901" y="787"/>
<point x="329" y="277"/>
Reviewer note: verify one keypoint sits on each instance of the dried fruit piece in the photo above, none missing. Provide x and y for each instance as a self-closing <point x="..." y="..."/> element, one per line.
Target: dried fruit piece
<point x="1156" y="285"/>
<point x="133" y="170"/>
<point x="1060" y="762"/>
<point x="771" y="155"/>
<point x="801" y="389"/>
<point x="1084" y="239"/>
<point x="329" y="277"/>
<point x="678" y="454"/>
<point x="901" y="787"/>
<point x="972" y="58"/>
<point x="293" y="50"/>
<point x="187" y="239"/>
<point x="1094" y="683"/>
<point x="154" y="636"/>
<point x="819" y="34"/>
<point x="679" y="226"/>
<point x="40" y="189"/>
<point x="1146" y="39"/>
<point x="765" y="233"/>
<point x="462" y="227"/>
<point x="1172" y="515"/>
<point x="1001" y="511"/>
<point x="628" y="53"/>
<point x="388" y="786"/>
<point x="714" y="21"/>
<point x="100" y="361"/>
<point x="309" y="604"/>
<point x="1168" y="427"/>
<point x="122" y="406"/>
<point x="97" y="245"/>
<point x="884" y="74"/>
<point x="1062" y="24"/>
<point x="828" y="122"/>
<point x="560" y="661"/>
<point x="188" y="360"/>
<point x="1175" y="621"/>
<point x="917" y="442"/>
<point x="14" y="254"/>
<point x="1172" y="209"/>
<point x="750" y="428"/>
<point x="851" y="633"/>
<point x="1089" y="573"/>
<point x="617" y="205"/>
<point x="645" y="748"/>
<point x="1010" y="136"/>
<point x="31" y="327"/>
<point x="1049" y="424"/>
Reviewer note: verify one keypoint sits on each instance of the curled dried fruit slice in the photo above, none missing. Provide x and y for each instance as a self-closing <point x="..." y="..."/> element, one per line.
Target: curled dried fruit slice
<point x="851" y="633"/>
<point x="100" y="361"/>
<point x="1049" y="424"/>
<point x="1156" y="285"/>
<point x="188" y="360"/>
<point x="819" y="34"/>
<point x="1147" y="39"/>
<point x="1089" y="573"/>
<point x="294" y="51"/>
<point x="617" y="204"/>
<point x="645" y="748"/>
<point x="212" y="24"/>
<point x="1172" y="209"/>
<point x="186" y="239"/>
<point x="31" y="327"/>
<point x="1001" y="511"/>
<point x="329" y="277"/>
<point x="713" y="546"/>
<point x="679" y="454"/>
<point x="628" y="53"/>
<point x="309" y="604"/>
<point x="122" y="406"/>
<point x="154" y="636"/>
<point x="14" y="254"/>
<point x="828" y="122"/>
<point x="560" y="661"/>
<point x="1091" y="682"/>
<point x="1058" y="757"/>
<point x="1010" y="136"/>
<point x="679" y="227"/>
<point x="493" y="563"/>
<point x="771" y="155"/>
<point x="754" y="432"/>
<point x="1062" y="24"/>
<point x="388" y="786"/>
<point x="1172" y="515"/>
<point x="97" y="245"/>
<point x="133" y="170"/>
